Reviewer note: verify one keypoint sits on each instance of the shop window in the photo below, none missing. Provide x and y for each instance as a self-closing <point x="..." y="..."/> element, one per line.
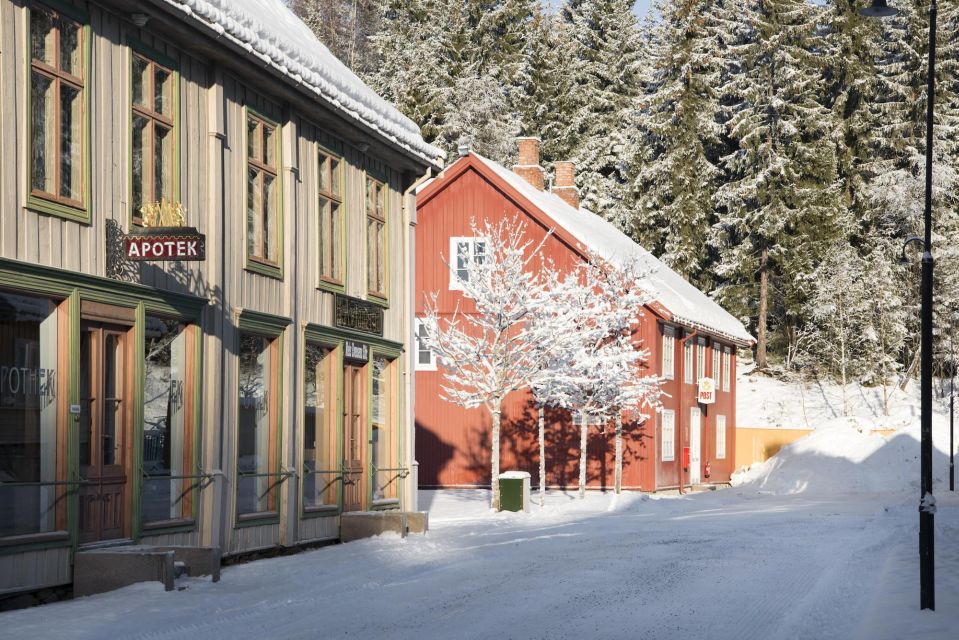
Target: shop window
<point x="28" y="414"/>
<point x="257" y="429"/>
<point x="154" y="134"/>
<point x="320" y="473"/>
<point x="669" y="352"/>
<point x="462" y="252"/>
<point x="331" y="218"/>
<point x="383" y="437"/>
<point x="425" y="357"/>
<point x="58" y="113"/>
<point x="376" y="237"/>
<point x="262" y="194"/>
<point x="668" y="444"/>
<point x="720" y="437"/>
<point x="167" y="432"/>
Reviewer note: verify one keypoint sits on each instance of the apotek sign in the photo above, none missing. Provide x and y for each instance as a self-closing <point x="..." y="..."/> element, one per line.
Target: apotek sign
<point x="168" y="243"/>
<point x="707" y="391"/>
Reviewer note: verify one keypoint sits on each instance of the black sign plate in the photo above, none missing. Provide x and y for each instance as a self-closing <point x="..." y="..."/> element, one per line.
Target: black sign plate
<point x="356" y="352"/>
<point x="357" y="315"/>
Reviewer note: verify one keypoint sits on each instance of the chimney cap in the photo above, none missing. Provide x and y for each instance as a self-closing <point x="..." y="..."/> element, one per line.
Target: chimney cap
<point x="463" y="146"/>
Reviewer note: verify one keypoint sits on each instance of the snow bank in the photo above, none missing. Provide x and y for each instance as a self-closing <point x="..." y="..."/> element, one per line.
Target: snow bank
<point x="268" y="30"/>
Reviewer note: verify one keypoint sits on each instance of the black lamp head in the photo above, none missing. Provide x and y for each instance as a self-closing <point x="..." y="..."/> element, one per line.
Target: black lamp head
<point x="878" y="9"/>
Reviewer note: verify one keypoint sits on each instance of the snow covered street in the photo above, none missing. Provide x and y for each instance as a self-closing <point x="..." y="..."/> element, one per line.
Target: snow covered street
<point x="735" y="563"/>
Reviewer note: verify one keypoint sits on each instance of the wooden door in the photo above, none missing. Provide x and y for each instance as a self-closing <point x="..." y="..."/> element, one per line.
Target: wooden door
<point x="354" y="441"/>
<point x="695" y="445"/>
<point x="105" y="382"/>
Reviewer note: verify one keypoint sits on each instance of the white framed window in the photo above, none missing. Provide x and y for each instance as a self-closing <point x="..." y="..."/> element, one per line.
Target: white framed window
<point x="425" y="357"/>
<point x="669" y="352"/>
<point x="462" y="251"/>
<point x="688" y="362"/>
<point x="727" y="367"/>
<point x="668" y="443"/>
<point x="720" y="437"/>
<point x="715" y="372"/>
<point x="700" y="358"/>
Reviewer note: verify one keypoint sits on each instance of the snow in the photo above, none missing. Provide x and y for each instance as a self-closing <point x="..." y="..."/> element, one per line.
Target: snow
<point x="688" y="305"/>
<point x="269" y="30"/>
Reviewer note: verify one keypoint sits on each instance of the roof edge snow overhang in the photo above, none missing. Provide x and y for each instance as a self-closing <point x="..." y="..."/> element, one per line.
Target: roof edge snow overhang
<point x="426" y="155"/>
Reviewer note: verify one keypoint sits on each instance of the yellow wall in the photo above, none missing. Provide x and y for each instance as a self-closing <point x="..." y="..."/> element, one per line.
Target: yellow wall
<point x="758" y="445"/>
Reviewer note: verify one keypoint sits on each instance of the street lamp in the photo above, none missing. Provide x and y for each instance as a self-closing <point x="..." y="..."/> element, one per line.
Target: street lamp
<point x="927" y="503"/>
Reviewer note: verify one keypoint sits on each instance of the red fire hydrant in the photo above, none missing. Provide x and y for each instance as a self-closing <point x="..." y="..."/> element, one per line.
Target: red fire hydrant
<point x="707" y="470"/>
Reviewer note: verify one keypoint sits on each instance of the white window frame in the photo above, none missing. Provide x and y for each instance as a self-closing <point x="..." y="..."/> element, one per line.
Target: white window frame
<point x="688" y="374"/>
<point x="700" y="358"/>
<point x="669" y="352"/>
<point x="727" y="367"/>
<point x="717" y="366"/>
<point x="455" y="283"/>
<point x="418" y="327"/>
<point x="667" y="449"/>
<point x="720" y="437"/>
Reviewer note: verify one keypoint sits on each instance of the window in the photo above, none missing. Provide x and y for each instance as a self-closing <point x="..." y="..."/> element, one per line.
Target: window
<point x="669" y="352"/>
<point x="28" y="415"/>
<point x="375" y="237"/>
<point x="154" y="135"/>
<point x="320" y="473"/>
<point x="700" y="358"/>
<point x="688" y="361"/>
<point x="714" y="374"/>
<point x="727" y="368"/>
<point x="58" y="146"/>
<point x="383" y="437"/>
<point x="462" y="251"/>
<point x="257" y="427"/>
<point x="262" y="194"/>
<point x="425" y="358"/>
<point x="167" y="439"/>
<point x="331" y="217"/>
<point x="720" y="437"/>
<point x="668" y="444"/>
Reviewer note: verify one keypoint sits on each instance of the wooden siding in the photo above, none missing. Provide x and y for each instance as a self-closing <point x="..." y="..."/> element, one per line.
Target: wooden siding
<point x="35" y="569"/>
<point x="246" y="539"/>
<point x="314" y="529"/>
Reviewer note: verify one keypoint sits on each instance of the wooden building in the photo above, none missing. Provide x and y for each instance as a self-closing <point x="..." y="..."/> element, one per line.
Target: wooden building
<point x="688" y="335"/>
<point x="242" y="401"/>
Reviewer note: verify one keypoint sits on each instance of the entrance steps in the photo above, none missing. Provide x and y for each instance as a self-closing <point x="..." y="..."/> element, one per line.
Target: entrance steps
<point x="355" y="525"/>
<point x="104" y="569"/>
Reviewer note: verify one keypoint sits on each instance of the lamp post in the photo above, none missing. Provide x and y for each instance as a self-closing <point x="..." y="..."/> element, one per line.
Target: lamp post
<point x="927" y="503"/>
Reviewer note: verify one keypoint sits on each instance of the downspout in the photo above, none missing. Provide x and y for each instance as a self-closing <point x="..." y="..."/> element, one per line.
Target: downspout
<point x="409" y="220"/>
<point x="679" y="404"/>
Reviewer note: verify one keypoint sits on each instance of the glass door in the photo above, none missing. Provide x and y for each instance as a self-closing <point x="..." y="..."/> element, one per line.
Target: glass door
<point x="354" y="445"/>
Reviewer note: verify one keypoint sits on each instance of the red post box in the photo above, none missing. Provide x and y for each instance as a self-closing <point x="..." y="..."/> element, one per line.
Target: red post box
<point x="685" y="457"/>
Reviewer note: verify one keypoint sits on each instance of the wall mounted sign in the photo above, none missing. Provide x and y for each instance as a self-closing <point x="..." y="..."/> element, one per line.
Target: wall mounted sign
<point x="356" y="352"/>
<point x="358" y="315"/>
<point x="707" y="391"/>
<point x="165" y="243"/>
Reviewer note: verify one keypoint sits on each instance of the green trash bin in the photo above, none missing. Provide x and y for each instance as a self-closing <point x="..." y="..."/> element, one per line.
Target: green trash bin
<point x="514" y="491"/>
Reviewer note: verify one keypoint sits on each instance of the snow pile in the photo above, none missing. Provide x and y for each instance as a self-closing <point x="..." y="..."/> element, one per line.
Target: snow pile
<point x="269" y="30"/>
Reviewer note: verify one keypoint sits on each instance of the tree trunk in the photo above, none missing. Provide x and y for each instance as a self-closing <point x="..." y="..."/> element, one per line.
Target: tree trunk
<point x="542" y="457"/>
<point x="618" y="482"/>
<point x="763" y="309"/>
<point x="583" y="431"/>
<point x="494" y="445"/>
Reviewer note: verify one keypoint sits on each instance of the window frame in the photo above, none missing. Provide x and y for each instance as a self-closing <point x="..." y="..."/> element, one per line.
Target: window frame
<point x="418" y="324"/>
<point x="672" y="439"/>
<point x="335" y="422"/>
<point x="688" y="361"/>
<point x="727" y="368"/>
<point x="717" y="363"/>
<point x="669" y="352"/>
<point x="324" y="157"/>
<point x="258" y="264"/>
<point x="393" y="417"/>
<point x="456" y="284"/>
<point x="381" y="253"/>
<point x="700" y="358"/>
<point x="169" y="64"/>
<point x="720" y="450"/>
<point x="41" y="201"/>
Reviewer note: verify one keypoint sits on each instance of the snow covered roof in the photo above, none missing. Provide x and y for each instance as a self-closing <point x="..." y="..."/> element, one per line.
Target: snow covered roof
<point x="688" y="305"/>
<point x="269" y="31"/>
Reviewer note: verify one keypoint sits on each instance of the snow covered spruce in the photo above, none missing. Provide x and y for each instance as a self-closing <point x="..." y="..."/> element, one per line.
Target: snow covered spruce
<point x="567" y="337"/>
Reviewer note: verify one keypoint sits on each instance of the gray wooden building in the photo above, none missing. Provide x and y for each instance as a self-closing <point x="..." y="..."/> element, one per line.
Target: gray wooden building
<point x="243" y="401"/>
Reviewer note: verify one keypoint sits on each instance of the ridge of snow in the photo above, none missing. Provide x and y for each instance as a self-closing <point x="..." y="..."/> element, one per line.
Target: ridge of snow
<point x="687" y="304"/>
<point x="270" y="31"/>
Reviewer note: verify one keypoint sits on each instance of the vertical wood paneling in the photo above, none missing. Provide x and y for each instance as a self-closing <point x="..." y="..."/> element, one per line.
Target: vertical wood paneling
<point x="310" y="529"/>
<point x="34" y="569"/>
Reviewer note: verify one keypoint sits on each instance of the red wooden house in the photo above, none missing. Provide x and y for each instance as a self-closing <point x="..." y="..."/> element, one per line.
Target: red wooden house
<point x="688" y="336"/>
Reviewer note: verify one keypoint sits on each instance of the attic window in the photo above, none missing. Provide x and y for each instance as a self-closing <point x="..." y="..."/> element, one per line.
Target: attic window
<point x="462" y="252"/>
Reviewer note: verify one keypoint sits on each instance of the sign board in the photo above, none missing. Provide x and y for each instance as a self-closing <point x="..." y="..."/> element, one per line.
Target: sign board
<point x="165" y="243"/>
<point x="356" y="352"/>
<point x="357" y="315"/>
<point x="707" y="391"/>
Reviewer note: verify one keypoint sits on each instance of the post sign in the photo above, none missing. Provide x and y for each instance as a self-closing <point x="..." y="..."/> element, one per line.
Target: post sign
<point x="356" y="352"/>
<point x="707" y="391"/>
<point x="165" y="243"/>
<point x="358" y="315"/>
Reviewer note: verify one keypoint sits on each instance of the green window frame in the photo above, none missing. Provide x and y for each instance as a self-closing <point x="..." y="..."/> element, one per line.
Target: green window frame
<point x="58" y="140"/>
<point x="377" y="239"/>
<point x="264" y="217"/>
<point x="332" y="263"/>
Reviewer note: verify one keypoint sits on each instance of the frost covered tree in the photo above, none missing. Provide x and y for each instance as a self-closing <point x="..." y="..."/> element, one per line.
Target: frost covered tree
<point x="491" y="348"/>
<point x="344" y="26"/>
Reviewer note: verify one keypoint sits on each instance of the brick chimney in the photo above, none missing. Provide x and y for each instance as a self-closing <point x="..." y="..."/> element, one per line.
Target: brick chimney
<point x="565" y="185"/>
<point x="528" y="166"/>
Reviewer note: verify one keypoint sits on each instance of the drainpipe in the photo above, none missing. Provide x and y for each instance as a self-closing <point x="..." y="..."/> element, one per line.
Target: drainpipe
<point x="409" y="220"/>
<point x="679" y="404"/>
